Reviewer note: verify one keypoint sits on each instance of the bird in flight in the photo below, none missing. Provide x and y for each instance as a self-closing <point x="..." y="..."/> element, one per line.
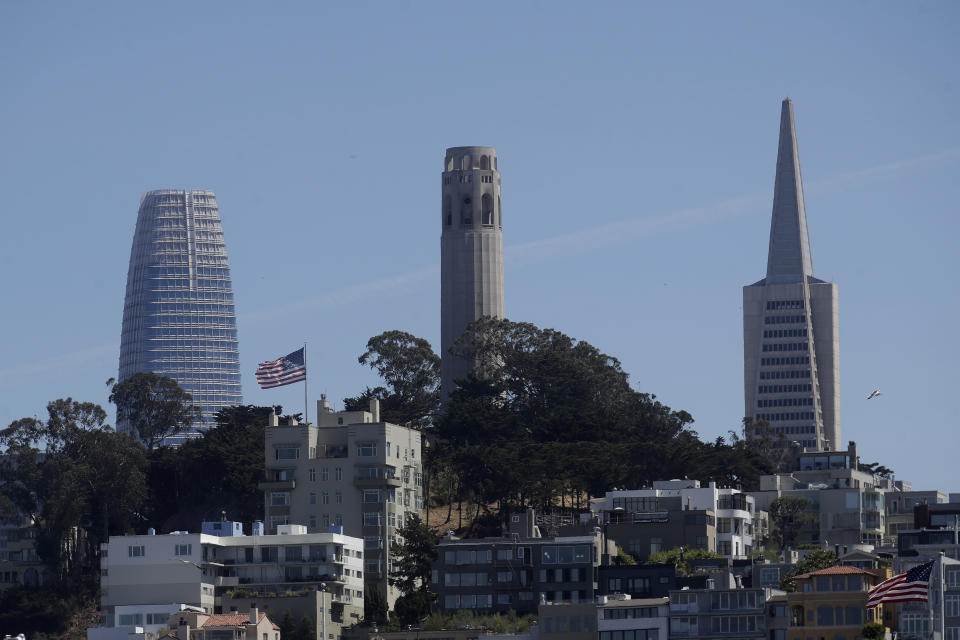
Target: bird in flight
<point x="874" y="394"/>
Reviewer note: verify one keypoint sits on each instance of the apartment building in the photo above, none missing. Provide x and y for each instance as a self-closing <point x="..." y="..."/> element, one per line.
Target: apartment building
<point x="513" y="572"/>
<point x="722" y="609"/>
<point x="912" y="619"/>
<point x="639" y="581"/>
<point x="849" y="505"/>
<point x="831" y="603"/>
<point x="900" y="504"/>
<point x="624" y="618"/>
<point x="209" y="570"/>
<point x="19" y="563"/>
<point x="676" y="513"/>
<point x="352" y="470"/>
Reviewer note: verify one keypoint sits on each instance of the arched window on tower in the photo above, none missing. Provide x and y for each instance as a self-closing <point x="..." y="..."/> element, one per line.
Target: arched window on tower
<point x="447" y="211"/>
<point x="449" y="163"/>
<point x="484" y="162"/>
<point x="486" y="206"/>
<point x="466" y="212"/>
<point x="466" y="162"/>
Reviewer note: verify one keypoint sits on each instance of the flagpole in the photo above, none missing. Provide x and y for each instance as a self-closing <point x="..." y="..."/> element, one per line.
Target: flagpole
<point x="943" y="587"/>
<point x="306" y="404"/>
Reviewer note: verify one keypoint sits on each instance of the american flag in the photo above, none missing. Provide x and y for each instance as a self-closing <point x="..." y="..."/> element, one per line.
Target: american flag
<point x="912" y="585"/>
<point x="286" y="370"/>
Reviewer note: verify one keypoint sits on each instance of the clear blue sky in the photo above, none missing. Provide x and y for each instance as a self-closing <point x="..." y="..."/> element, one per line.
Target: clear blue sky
<point x="636" y="141"/>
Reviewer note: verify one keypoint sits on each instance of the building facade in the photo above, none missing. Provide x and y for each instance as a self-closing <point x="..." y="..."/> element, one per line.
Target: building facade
<point x="205" y="570"/>
<point x="846" y="505"/>
<point x="624" y="618"/>
<point x="350" y="470"/>
<point x="831" y="603"/>
<point x="471" y="251"/>
<point x="178" y="312"/>
<point x="515" y="573"/>
<point x="791" y="348"/>
<point x="719" y="612"/>
<point x="684" y="514"/>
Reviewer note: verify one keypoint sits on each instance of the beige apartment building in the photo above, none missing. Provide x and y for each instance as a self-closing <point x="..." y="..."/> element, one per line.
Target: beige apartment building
<point x="351" y="471"/>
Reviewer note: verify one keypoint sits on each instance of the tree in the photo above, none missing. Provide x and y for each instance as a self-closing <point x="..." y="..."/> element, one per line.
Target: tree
<point x="154" y="406"/>
<point x="411" y="371"/>
<point x="414" y="556"/>
<point x="680" y="557"/>
<point x="788" y="516"/>
<point x="218" y="471"/>
<point x="814" y="561"/>
<point x="873" y="631"/>
<point x="76" y="479"/>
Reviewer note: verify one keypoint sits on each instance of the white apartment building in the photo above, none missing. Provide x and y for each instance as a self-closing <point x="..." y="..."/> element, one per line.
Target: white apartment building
<point x="351" y="470"/>
<point x="208" y="570"/>
<point x="735" y="511"/>
<point x="619" y="616"/>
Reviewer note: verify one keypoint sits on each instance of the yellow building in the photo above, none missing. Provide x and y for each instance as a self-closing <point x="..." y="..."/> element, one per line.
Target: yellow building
<point x="830" y="604"/>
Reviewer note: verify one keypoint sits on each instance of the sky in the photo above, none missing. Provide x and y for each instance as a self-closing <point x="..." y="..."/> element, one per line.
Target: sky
<point x="636" y="142"/>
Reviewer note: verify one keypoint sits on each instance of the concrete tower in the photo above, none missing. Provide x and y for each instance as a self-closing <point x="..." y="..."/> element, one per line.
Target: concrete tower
<point x="791" y="348"/>
<point x="471" y="251"/>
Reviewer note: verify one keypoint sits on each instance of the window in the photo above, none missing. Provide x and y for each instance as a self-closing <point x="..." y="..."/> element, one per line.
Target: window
<point x="136" y="551"/>
<point x="313" y="497"/>
<point x="951" y="605"/>
<point x="366" y="449"/>
<point x="183" y="549"/>
<point x="824" y="616"/>
<point x="953" y="577"/>
<point x="279" y="498"/>
<point x="312" y="473"/>
<point x="371" y="496"/>
<point x="324" y="497"/>
<point x="339" y="473"/>
<point x="324" y="474"/>
<point x="589" y="624"/>
<point x="504" y="576"/>
<point x="287" y="453"/>
<point x="339" y="497"/>
<point x="853" y="615"/>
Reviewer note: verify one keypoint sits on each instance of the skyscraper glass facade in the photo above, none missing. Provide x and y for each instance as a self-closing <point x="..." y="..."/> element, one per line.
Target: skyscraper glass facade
<point x="178" y="314"/>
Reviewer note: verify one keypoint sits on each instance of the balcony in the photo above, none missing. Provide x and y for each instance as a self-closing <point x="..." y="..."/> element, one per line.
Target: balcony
<point x="277" y="485"/>
<point x="226" y="581"/>
<point x="378" y="482"/>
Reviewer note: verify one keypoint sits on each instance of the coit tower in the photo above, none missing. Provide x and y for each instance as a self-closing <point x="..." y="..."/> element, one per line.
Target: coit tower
<point x="471" y="251"/>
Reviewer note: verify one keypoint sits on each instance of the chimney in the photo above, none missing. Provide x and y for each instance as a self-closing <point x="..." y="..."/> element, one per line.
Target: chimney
<point x="375" y="409"/>
<point x="254" y="615"/>
<point x="273" y="420"/>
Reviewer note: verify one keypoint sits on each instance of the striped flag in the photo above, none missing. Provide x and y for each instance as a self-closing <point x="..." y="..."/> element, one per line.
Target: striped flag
<point x="903" y="587"/>
<point x="286" y="370"/>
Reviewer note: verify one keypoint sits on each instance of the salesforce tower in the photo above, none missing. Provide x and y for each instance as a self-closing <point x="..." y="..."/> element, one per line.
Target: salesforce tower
<point x="178" y="313"/>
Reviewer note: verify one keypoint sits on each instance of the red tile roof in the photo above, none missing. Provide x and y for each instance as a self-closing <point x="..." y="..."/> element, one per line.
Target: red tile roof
<point x="838" y="571"/>
<point x="230" y="620"/>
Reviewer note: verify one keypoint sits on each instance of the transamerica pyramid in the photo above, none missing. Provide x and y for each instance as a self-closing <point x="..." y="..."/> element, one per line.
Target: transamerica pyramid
<point x="790" y="321"/>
